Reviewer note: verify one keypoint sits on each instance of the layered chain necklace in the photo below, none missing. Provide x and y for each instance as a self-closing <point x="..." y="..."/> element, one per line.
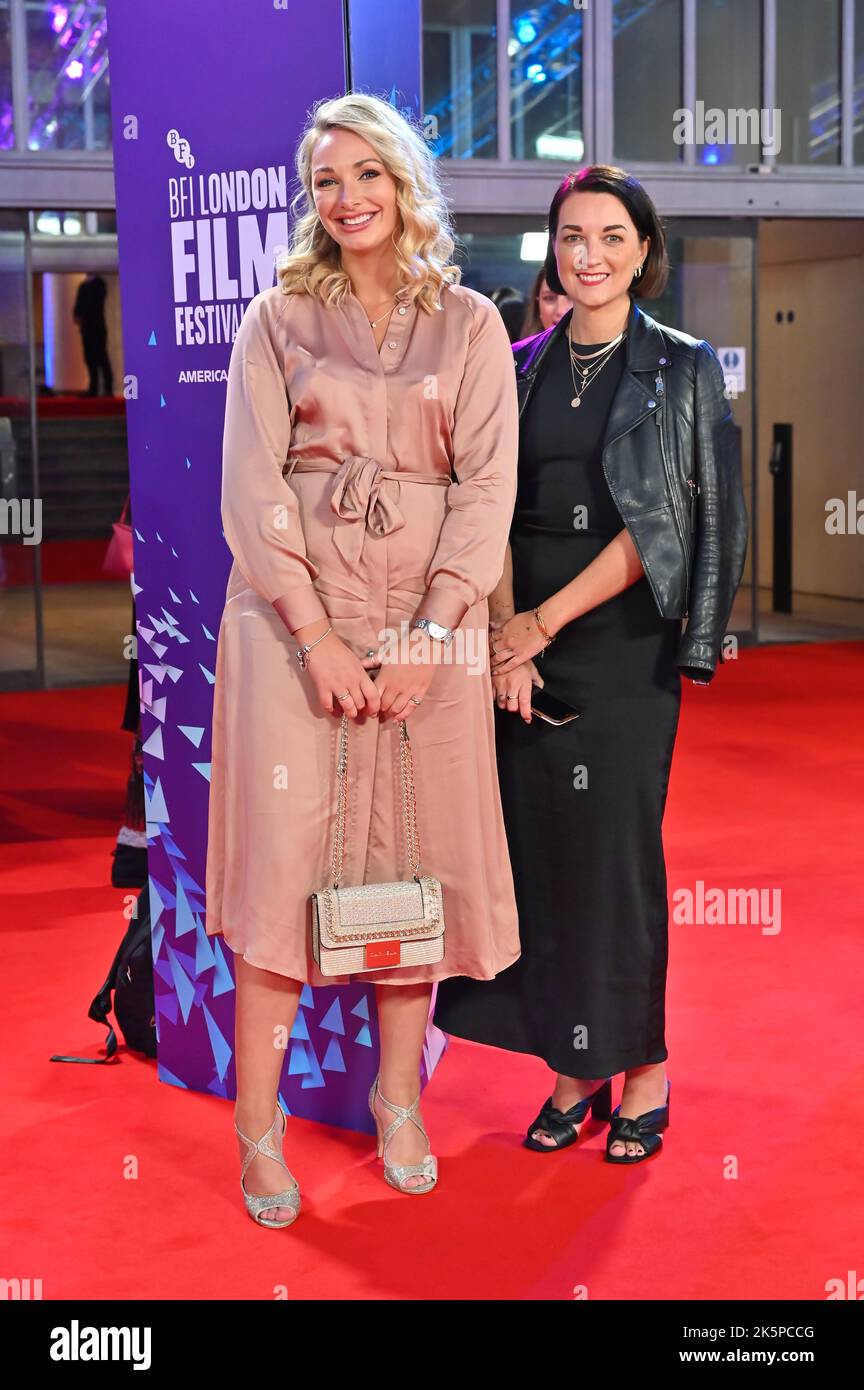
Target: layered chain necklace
<point x="596" y="360"/>
<point x="373" y="323"/>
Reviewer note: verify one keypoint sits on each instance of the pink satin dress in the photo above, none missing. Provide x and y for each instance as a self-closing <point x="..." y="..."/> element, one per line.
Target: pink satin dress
<point x="356" y="483"/>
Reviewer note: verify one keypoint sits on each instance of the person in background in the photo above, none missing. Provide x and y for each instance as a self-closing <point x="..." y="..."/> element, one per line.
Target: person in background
<point x="511" y="306"/>
<point x="545" y="307"/>
<point x="89" y="314"/>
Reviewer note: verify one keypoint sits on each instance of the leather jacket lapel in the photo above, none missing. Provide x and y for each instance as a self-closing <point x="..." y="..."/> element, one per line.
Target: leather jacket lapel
<point x="529" y="355"/>
<point x="637" y="396"/>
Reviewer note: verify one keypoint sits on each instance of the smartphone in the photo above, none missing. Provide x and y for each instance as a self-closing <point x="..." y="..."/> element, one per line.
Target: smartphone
<point x="550" y="708"/>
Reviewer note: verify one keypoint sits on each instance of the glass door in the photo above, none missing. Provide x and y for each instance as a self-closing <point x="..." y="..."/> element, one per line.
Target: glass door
<point x="21" y="635"/>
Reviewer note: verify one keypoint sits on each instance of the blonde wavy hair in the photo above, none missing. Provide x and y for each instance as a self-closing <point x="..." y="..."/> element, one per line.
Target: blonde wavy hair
<point x="312" y="264"/>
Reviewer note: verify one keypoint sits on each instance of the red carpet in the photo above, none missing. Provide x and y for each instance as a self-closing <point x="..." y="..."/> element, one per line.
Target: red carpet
<point x="764" y="1039"/>
<point x="63" y="407"/>
<point x="63" y="562"/>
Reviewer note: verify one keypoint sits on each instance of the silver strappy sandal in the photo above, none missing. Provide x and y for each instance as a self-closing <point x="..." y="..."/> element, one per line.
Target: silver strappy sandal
<point x="255" y="1204"/>
<point x="396" y="1174"/>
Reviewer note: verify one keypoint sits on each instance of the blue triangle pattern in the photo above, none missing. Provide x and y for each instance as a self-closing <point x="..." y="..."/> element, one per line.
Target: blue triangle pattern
<point x="300" y="1031"/>
<point x="332" y="1020"/>
<point x="223" y="982"/>
<point x="205" y="957"/>
<point x="183" y="918"/>
<point x="157" y="899"/>
<point x="220" y="1048"/>
<point x="315" y="1078"/>
<point x="167" y="1004"/>
<point x="157" y="809"/>
<point x="166" y="1075"/>
<point x="298" y="1060"/>
<point x="333" y="1059"/>
<point x="187" y="960"/>
<point x="157" y="935"/>
<point x="171" y="845"/>
<point x="182" y="984"/>
<point x="162" y="968"/>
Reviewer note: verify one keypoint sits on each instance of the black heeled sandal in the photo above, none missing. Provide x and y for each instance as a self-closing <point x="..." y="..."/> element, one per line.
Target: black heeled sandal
<point x="558" y="1124"/>
<point x="645" y="1130"/>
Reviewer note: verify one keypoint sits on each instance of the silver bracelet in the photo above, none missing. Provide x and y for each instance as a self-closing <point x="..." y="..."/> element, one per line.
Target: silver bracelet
<point x="303" y="653"/>
<point x="437" y="631"/>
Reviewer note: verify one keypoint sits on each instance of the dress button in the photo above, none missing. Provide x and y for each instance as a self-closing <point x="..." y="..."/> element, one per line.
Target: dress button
<point x="391" y="345"/>
<point x="652" y="402"/>
<point x="403" y="310"/>
<point x="662" y="361"/>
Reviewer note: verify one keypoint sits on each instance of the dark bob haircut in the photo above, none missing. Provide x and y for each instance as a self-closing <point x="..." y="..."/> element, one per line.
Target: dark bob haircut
<point x="606" y="178"/>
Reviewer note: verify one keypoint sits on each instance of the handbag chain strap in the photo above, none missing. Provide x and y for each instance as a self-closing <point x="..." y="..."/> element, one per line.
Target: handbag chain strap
<point x="409" y="802"/>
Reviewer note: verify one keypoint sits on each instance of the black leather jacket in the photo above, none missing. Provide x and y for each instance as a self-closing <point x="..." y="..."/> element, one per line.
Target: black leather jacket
<point x="672" y="465"/>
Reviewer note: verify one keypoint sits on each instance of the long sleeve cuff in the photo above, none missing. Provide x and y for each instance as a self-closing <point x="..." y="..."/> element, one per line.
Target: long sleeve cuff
<point x="301" y="605"/>
<point x="696" y="652"/>
<point x="442" y="606"/>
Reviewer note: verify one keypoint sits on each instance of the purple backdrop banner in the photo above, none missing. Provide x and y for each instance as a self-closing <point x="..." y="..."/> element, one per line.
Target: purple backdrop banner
<point x="207" y="105"/>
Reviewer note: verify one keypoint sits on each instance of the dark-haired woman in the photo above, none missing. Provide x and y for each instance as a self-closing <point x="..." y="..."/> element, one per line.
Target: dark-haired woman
<point x="545" y="306"/>
<point x="629" y="517"/>
<point x="511" y="307"/>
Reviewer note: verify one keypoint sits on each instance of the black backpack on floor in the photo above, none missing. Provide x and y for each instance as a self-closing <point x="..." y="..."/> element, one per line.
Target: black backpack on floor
<point x="131" y="979"/>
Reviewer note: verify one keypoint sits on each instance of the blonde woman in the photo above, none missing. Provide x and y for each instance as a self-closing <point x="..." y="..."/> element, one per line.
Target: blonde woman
<point x="369" y="477"/>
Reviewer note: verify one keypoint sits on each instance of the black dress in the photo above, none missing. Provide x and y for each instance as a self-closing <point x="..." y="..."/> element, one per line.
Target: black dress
<point x="583" y="802"/>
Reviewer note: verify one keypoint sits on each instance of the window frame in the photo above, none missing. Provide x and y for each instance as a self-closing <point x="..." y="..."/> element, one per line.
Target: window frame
<point x="685" y="187"/>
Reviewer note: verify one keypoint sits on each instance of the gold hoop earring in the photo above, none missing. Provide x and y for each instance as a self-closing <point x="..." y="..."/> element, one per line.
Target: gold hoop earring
<point x="638" y="271"/>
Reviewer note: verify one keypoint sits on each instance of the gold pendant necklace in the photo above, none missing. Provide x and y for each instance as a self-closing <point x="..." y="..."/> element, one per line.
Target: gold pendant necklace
<point x="374" y="322"/>
<point x="588" y="373"/>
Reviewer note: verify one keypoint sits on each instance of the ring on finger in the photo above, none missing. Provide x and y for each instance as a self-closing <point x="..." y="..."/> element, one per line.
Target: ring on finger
<point x="346" y="696"/>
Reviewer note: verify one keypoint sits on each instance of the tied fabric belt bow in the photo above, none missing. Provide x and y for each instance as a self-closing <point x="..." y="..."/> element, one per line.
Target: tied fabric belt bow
<point x="359" y="495"/>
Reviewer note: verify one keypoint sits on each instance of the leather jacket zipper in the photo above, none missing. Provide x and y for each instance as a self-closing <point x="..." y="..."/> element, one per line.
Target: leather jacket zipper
<point x="693" y="491"/>
<point x="679" y="521"/>
<point x="647" y="572"/>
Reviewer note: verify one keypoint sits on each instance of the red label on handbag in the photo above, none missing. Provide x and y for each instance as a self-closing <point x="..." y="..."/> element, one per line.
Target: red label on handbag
<point x="382" y="953"/>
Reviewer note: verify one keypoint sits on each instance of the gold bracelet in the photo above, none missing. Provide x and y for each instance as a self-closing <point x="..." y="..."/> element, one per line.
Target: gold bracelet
<point x="542" y="626"/>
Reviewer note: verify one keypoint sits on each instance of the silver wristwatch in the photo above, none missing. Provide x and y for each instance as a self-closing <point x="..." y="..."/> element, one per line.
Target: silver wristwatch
<point x="437" y="631"/>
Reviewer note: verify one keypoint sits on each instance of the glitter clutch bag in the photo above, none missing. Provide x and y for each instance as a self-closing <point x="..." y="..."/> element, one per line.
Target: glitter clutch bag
<point x="377" y="926"/>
